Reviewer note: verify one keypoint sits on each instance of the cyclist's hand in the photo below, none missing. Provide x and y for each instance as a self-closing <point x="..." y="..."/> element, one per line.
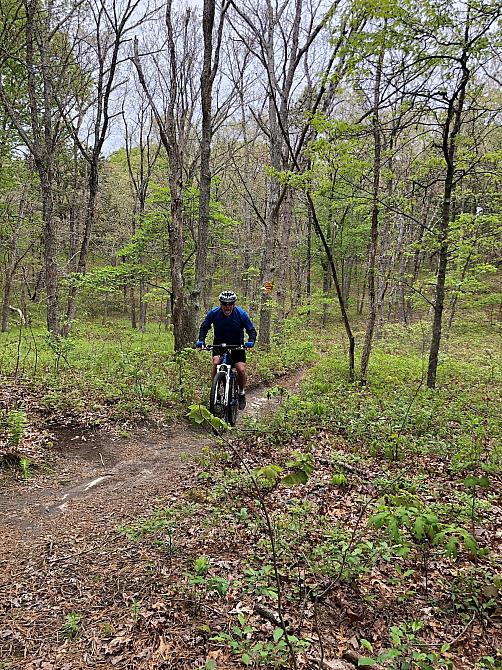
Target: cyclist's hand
<point x="200" y="344"/>
<point x="249" y="345"/>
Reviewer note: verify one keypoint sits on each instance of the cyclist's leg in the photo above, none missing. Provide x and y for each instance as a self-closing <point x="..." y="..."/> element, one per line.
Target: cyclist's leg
<point x="217" y="353"/>
<point x="241" y="376"/>
<point x="239" y="362"/>
<point x="216" y="362"/>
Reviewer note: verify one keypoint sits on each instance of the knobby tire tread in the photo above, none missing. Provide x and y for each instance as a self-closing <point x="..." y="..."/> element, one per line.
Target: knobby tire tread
<point x="214" y="406"/>
<point x="232" y="406"/>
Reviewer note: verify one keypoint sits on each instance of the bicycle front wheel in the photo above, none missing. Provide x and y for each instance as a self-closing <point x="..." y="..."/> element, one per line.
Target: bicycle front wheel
<point x="232" y="401"/>
<point x="217" y="405"/>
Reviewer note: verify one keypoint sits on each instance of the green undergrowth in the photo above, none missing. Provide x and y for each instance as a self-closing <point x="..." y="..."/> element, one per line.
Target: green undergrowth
<point x="396" y="414"/>
<point x="350" y="519"/>
<point x="111" y="372"/>
<point x="380" y="502"/>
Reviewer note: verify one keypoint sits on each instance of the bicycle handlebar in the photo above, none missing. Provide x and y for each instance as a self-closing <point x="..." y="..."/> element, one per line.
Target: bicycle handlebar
<point x="233" y="347"/>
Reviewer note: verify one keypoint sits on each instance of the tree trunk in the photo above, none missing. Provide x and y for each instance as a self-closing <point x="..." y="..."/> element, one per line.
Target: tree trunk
<point x="132" y="302"/>
<point x="286" y="221"/>
<point x="449" y="152"/>
<point x="142" y="305"/>
<point x="308" y="283"/>
<point x="377" y="138"/>
<point x="5" y="302"/>
<point x="50" y="251"/>
<point x="199" y="294"/>
<point x="90" y="217"/>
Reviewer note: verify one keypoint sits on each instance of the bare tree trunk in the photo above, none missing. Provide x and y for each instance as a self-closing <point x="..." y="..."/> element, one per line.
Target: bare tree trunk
<point x="377" y="138"/>
<point x="450" y="132"/>
<point x="84" y="248"/>
<point x="209" y="69"/>
<point x="308" y="283"/>
<point x="283" y="253"/>
<point x="13" y="258"/>
<point x="132" y="302"/>
<point x="50" y="249"/>
<point x="6" y="299"/>
<point x="142" y="305"/>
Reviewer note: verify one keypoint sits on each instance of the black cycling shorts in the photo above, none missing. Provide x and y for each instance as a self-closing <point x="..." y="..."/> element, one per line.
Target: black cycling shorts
<point x="236" y="355"/>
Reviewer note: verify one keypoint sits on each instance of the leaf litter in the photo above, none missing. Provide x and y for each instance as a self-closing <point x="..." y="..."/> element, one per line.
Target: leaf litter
<point x="129" y="562"/>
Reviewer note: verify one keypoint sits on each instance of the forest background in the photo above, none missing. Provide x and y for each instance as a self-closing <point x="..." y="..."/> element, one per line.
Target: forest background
<point x="347" y="155"/>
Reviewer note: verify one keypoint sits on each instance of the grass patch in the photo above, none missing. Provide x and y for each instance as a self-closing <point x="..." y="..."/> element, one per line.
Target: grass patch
<point x="111" y="372"/>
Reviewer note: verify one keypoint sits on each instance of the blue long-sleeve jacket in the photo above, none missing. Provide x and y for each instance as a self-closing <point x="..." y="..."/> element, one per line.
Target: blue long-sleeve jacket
<point x="228" y="329"/>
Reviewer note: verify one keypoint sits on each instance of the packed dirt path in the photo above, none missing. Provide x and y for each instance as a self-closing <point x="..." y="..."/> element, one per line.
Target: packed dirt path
<point x="104" y="477"/>
<point x="63" y="550"/>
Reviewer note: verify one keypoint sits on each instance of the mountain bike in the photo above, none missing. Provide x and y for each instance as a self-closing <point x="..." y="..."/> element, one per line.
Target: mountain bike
<point x="223" y="401"/>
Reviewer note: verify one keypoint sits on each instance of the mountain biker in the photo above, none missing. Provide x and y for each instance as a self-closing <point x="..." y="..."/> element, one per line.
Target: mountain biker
<point x="229" y="323"/>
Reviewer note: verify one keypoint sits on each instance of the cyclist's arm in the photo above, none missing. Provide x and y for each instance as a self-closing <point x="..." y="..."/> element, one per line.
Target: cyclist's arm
<point x="250" y="329"/>
<point x="205" y="326"/>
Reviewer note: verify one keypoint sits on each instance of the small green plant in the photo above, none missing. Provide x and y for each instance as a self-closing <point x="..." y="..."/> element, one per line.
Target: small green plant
<point x="407" y="651"/>
<point x="61" y="348"/>
<point x="24" y="466"/>
<point x="135" y="608"/>
<point x="201" y="565"/>
<point x="16" y="426"/>
<point x="274" y="653"/>
<point x="71" y="626"/>
<point x="407" y="524"/>
<point x="200" y="415"/>
<point x="210" y="664"/>
<point x="490" y="662"/>
<point x="339" y="479"/>
<point x="210" y="583"/>
<point x="261" y="582"/>
<point x="475" y="590"/>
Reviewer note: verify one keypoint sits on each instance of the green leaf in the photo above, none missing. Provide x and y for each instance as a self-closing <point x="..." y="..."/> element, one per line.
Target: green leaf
<point x="218" y="424"/>
<point x="419" y="527"/>
<point x="365" y="661"/>
<point x="198" y="414"/>
<point x="246" y="659"/>
<point x="452" y="546"/>
<point x="471" y="482"/>
<point x="295" y="478"/>
<point x="366" y="645"/>
<point x="379" y="519"/>
<point x="268" y="472"/>
<point x="210" y="664"/>
<point x="470" y="543"/>
<point x="278" y="633"/>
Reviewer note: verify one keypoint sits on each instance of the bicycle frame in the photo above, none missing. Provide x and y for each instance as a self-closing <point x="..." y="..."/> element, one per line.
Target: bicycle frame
<point x="227" y="368"/>
<point x="225" y="403"/>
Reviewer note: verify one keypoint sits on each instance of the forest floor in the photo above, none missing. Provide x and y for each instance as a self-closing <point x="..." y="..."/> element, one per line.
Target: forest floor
<point x="61" y="549"/>
<point x="367" y="523"/>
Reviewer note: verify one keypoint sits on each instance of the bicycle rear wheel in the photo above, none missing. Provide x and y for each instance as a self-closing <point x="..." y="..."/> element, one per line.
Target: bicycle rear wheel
<point x="217" y="404"/>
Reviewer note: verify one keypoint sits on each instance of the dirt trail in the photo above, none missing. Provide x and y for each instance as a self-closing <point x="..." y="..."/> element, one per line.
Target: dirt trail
<point x="98" y="478"/>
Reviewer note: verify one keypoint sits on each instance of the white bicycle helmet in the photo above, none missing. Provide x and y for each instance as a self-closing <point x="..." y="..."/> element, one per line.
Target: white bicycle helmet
<point x="227" y="298"/>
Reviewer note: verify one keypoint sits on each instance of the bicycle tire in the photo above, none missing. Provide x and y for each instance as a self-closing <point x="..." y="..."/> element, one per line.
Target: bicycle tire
<point x="217" y="404"/>
<point x="232" y="401"/>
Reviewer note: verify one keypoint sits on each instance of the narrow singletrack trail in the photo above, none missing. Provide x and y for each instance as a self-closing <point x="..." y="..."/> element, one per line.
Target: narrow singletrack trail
<point x="63" y="549"/>
<point x="100" y="479"/>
